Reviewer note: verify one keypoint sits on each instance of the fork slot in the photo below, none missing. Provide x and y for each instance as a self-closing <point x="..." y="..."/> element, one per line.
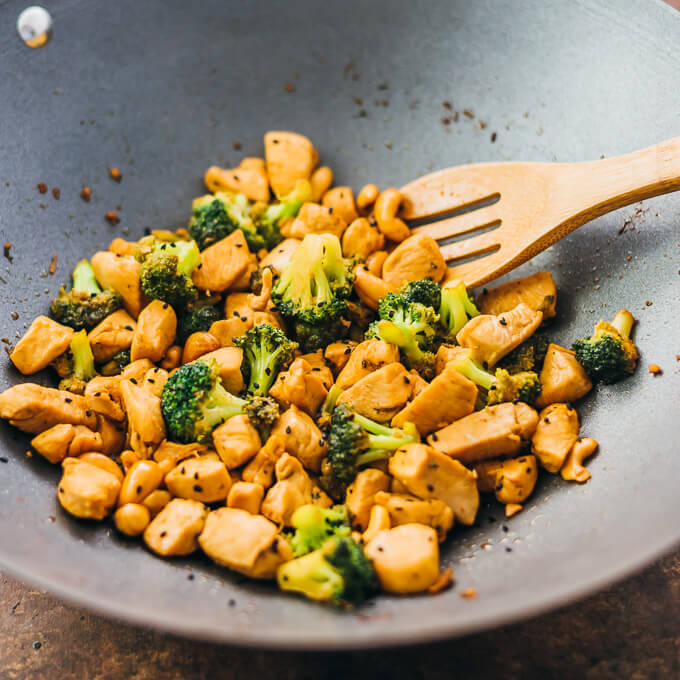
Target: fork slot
<point x="461" y="224"/>
<point x="461" y="209"/>
<point x="477" y="245"/>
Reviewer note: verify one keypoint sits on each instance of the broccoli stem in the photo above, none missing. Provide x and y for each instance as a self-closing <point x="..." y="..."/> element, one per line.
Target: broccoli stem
<point x="473" y="371"/>
<point x="623" y="322"/>
<point x="456" y="307"/>
<point x="83" y="359"/>
<point x="264" y="368"/>
<point x="84" y="280"/>
<point x="220" y="406"/>
<point x="382" y="439"/>
<point x="331" y="399"/>
<point x="187" y="253"/>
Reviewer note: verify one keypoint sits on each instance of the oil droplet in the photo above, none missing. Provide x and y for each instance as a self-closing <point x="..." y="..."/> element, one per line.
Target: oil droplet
<point x="35" y="26"/>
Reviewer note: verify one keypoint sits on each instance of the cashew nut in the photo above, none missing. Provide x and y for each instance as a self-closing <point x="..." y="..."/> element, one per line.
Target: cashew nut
<point x="375" y="262"/>
<point x="385" y="210"/>
<point x="366" y="198"/>
<point x="131" y="519"/>
<point x="573" y="470"/>
<point x="172" y="358"/>
<point x="321" y="181"/>
<point x="370" y="288"/>
<point x="197" y="345"/>
<point x="249" y="178"/>
<point x="140" y="480"/>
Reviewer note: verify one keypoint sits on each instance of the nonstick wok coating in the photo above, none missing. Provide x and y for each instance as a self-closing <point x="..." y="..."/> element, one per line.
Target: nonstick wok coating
<point x="161" y="90"/>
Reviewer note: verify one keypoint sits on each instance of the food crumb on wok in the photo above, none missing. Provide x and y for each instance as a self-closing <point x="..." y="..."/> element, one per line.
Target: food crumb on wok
<point x="6" y="251"/>
<point x="293" y="385"/>
<point x="86" y="194"/>
<point x="468" y="593"/>
<point x="42" y="187"/>
<point x="115" y="174"/>
<point x="655" y="369"/>
<point x="112" y="217"/>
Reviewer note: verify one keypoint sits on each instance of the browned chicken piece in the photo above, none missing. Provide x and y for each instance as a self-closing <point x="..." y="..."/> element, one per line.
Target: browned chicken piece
<point x="319" y="366"/>
<point x="527" y="419"/>
<point x="237" y="305"/>
<point x="416" y="258"/>
<point x="155" y="332"/>
<point x="369" y="287"/>
<point x="293" y="488"/>
<point x="119" y="246"/>
<point x="113" y="435"/>
<point x="301" y="437"/>
<point x="41" y="344"/>
<point x="491" y="337"/>
<point x="448" y="397"/>
<point x="290" y="157"/>
<point x="381" y="394"/>
<point x="314" y="219"/>
<point x="154" y="380"/>
<point x="53" y="444"/>
<point x="262" y="300"/>
<point x="341" y="200"/>
<point x="84" y="440"/>
<point x="337" y="354"/>
<point x="279" y="257"/>
<point x="103" y="396"/>
<point x="361" y="239"/>
<point x="366" y="357"/>
<point x="490" y="433"/>
<point x="229" y="367"/>
<point x="271" y="318"/>
<point x="134" y="371"/>
<point x="573" y="469"/>
<point x="556" y="432"/>
<point x="447" y="353"/>
<point x="248" y="178"/>
<point x="320" y="497"/>
<point x="120" y="273"/>
<point x="246" y="496"/>
<point x="145" y="420"/>
<point x="242" y="283"/>
<point x="512" y="480"/>
<point x="222" y="263"/>
<point x="176" y="528"/>
<point x="427" y="473"/>
<point x="360" y="497"/>
<point x="260" y="470"/>
<point x="33" y="408"/>
<point x="378" y="520"/>
<point x="202" y="479"/>
<point x="228" y="329"/>
<point x="405" y="558"/>
<point x="103" y="462"/>
<point x="112" y="335"/>
<point x="87" y="491"/>
<point x="168" y="454"/>
<point x="537" y="291"/>
<point x="418" y="383"/>
<point x="299" y="386"/>
<point x="562" y="377"/>
<point x="236" y="441"/>
<point x="246" y="543"/>
<point x="406" y="509"/>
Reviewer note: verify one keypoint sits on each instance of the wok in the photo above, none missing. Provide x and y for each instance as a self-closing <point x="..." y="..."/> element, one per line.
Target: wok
<point x="161" y="90"/>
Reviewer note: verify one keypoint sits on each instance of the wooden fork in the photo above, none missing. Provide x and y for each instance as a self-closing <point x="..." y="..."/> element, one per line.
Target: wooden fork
<point x="509" y="212"/>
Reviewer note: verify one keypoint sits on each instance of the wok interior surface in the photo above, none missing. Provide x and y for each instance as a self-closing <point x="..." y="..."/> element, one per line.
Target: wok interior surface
<point x="162" y="90"/>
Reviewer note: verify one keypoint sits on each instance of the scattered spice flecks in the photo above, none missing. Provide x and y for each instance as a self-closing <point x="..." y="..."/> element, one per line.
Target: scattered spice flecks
<point x="468" y="114"/>
<point x="56" y="193"/>
<point x="448" y="106"/>
<point x="53" y="264"/>
<point x="115" y="174"/>
<point x="6" y="248"/>
<point x="42" y="187"/>
<point x="112" y="218"/>
<point x="237" y="146"/>
<point x="86" y="194"/>
<point x="468" y="593"/>
<point x="493" y="137"/>
<point x="655" y="369"/>
<point x="649" y="303"/>
<point x="290" y="87"/>
<point x="15" y="315"/>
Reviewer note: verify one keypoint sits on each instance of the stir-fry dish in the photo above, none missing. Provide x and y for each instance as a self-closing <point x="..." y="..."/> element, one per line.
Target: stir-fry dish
<point x="297" y="387"/>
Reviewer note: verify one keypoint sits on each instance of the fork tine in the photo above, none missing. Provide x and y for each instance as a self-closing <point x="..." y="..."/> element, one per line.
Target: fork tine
<point x="471" y="246"/>
<point x="461" y="224"/>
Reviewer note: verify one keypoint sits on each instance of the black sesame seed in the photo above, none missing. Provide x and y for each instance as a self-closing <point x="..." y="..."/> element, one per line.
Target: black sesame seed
<point x="133" y="381"/>
<point x="505" y="528"/>
<point x="139" y="488"/>
<point x="435" y="437"/>
<point x="198" y="488"/>
<point x="288" y="430"/>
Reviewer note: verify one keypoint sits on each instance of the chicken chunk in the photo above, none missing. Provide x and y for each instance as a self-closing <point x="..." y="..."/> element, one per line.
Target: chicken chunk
<point x="228" y="329"/>
<point x="236" y="441"/>
<point x="427" y="473"/>
<point x="84" y="440"/>
<point x="337" y="354"/>
<point x="201" y="479"/>
<point x="407" y="509"/>
<point x="405" y="558"/>
<point x="113" y="435"/>
<point x="103" y="462"/>
<point x="360" y="497"/>
<point x="537" y="291"/>
<point x="366" y="357"/>
<point x="419" y="383"/>
<point x="176" y="528"/>
<point x="155" y="332"/>
<point x="341" y="200"/>
<point x="361" y="239"/>
<point x="222" y="263"/>
<point x="279" y="257"/>
<point x="33" y="408"/>
<point x="512" y="480"/>
<point x="448" y="397"/>
<point x="314" y="219"/>
<point x="378" y="520"/>
<point x="246" y="496"/>
<point x="293" y="489"/>
<point x="112" y="335"/>
<point x="299" y="386"/>
<point x="120" y="273"/>
<point x="246" y="543"/>
<point x="496" y="431"/>
<point x="260" y="470"/>
<point x="103" y="397"/>
<point x="53" y="444"/>
<point x="87" y="491"/>
<point x="168" y="454"/>
<point x="145" y="420"/>
<point x="237" y="305"/>
<point x="556" y="432"/>
<point x="134" y="371"/>
<point x="228" y="366"/>
<point x="248" y="178"/>
<point x="491" y="337"/>
<point x="445" y="354"/>
<point x="415" y="258"/>
<point x="562" y="377"/>
<point x="154" y="380"/>
<point x="41" y="344"/>
<point x="290" y="157"/>
<point x="301" y="437"/>
<point x="319" y="366"/>
<point x="119" y="246"/>
<point x="381" y="394"/>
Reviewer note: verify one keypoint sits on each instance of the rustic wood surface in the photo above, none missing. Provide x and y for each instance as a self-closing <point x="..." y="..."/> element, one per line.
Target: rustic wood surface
<point x="631" y="631"/>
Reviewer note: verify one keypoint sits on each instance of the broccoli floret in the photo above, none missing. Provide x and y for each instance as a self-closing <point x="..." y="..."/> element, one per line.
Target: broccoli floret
<point x="196" y="317"/>
<point x="312" y="292"/>
<point x="528" y="356"/>
<point x="339" y="572"/>
<point x="117" y="363"/>
<point x="266" y="351"/>
<point x="314" y="526"/>
<point x="353" y="441"/>
<point x="76" y="367"/>
<point x="215" y="217"/>
<point x="166" y="272"/>
<point x="263" y="413"/>
<point x="426" y="292"/>
<point x="86" y="304"/>
<point x="194" y="403"/>
<point x="457" y="308"/>
<point x="609" y="354"/>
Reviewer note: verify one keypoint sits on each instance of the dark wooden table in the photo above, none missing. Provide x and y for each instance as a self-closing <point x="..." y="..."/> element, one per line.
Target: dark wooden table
<point x="629" y="632"/>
